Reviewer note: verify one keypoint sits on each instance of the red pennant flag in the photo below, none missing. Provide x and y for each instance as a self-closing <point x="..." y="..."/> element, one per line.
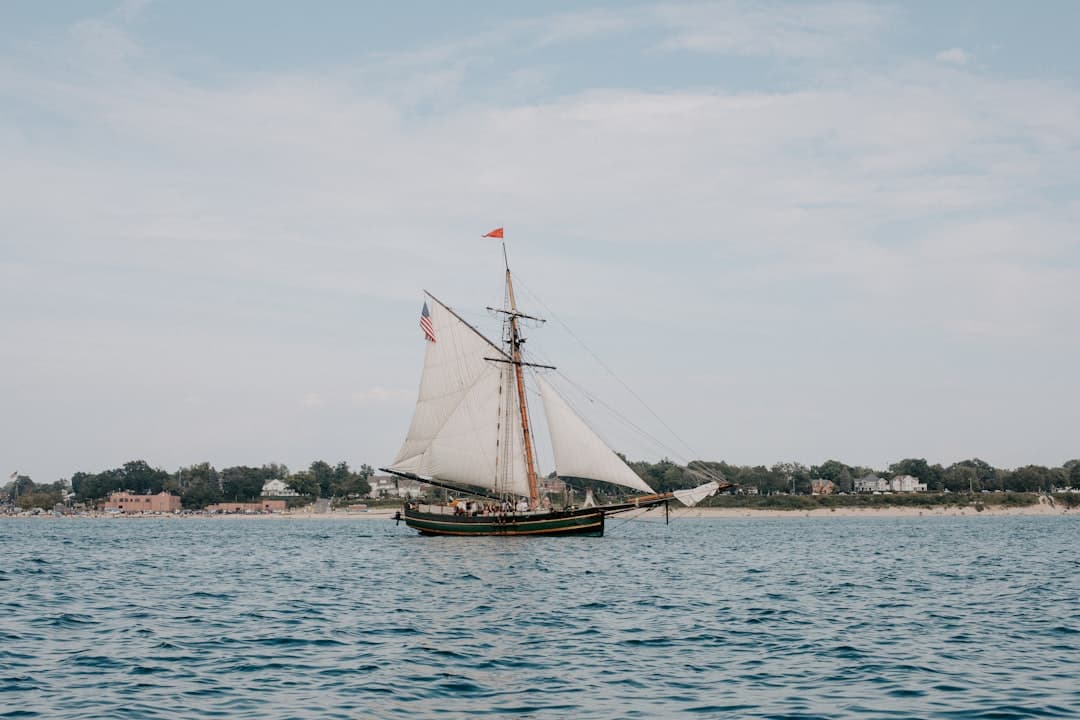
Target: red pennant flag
<point x="496" y="233"/>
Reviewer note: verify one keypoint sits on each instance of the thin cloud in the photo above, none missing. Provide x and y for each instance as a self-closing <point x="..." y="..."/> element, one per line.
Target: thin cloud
<point x="953" y="56"/>
<point x="771" y="29"/>
<point x="578" y="26"/>
<point x="105" y="41"/>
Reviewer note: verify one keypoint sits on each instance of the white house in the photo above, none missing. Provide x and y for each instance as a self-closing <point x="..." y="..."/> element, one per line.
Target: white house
<point x="906" y="483"/>
<point x="384" y="486"/>
<point x="871" y="484"/>
<point x="277" y="488"/>
<point x="900" y="483"/>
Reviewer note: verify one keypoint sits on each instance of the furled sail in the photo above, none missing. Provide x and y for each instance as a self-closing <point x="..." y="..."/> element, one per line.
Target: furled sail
<point x="693" y="496"/>
<point x="579" y="452"/>
<point x="459" y="431"/>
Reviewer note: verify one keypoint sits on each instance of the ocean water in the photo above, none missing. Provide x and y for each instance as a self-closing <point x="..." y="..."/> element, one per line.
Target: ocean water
<point x="957" y="617"/>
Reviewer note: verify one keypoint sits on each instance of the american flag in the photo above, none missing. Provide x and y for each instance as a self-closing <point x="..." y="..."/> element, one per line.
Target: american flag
<point x="425" y="323"/>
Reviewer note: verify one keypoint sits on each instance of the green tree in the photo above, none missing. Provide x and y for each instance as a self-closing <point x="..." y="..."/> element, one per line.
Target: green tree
<point x="27" y="494"/>
<point x="38" y="499"/>
<point x="662" y="476"/>
<point x="43" y="496"/>
<point x="347" y="483"/>
<point x="77" y="481"/>
<point x="200" y="485"/>
<point x="199" y="493"/>
<point x="936" y="481"/>
<point x="94" y="486"/>
<point x="139" y="477"/>
<point x="324" y="477"/>
<point x="276" y="471"/>
<point x="366" y="471"/>
<point x="21" y="485"/>
<point x="790" y="477"/>
<point x="242" y="483"/>
<point x="761" y="477"/>
<point x="172" y="484"/>
<point x="840" y="474"/>
<point x="988" y="477"/>
<point x="959" y="478"/>
<point x="1031" y="478"/>
<point x="135" y="476"/>
<point x="303" y="483"/>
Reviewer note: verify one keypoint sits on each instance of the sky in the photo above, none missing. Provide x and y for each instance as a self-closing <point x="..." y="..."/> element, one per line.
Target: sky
<point x="796" y="231"/>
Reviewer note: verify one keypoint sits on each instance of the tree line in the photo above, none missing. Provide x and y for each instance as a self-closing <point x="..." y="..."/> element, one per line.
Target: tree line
<point x="202" y="484"/>
<point x="972" y="475"/>
<point x="25" y="493"/>
<point x="197" y="485"/>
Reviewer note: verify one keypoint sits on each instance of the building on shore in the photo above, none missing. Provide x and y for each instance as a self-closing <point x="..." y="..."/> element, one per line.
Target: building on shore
<point x="277" y="488"/>
<point x="263" y="506"/>
<point x="898" y="484"/>
<point x="906" y="483"/>
<point x="551" y="486"/>
<point x="388" y="486"/>
<point x="871" y="484"/>
<point x="822" y="487"/>
<point x="125" y="502"/>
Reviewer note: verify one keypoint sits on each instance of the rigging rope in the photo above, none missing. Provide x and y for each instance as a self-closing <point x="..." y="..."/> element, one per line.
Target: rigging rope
<point x="706" y="472"/>
<point x="636" y="516"/>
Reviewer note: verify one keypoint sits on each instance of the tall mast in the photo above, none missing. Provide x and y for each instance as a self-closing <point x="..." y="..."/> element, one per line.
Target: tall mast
<point x="515" y="355"/>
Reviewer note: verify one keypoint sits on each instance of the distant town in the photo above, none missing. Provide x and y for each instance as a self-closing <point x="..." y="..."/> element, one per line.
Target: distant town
<point x="136" y="488"/>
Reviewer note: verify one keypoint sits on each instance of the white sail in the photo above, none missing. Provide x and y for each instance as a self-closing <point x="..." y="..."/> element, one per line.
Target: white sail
<point x="466" y="414"/>
<point x="579" y="452"/>
<point x="693" y="496"/>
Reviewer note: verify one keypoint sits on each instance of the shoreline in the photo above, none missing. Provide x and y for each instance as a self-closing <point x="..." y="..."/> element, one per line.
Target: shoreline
<point x="1038" y="510"/>
<point x="706" y="513"/>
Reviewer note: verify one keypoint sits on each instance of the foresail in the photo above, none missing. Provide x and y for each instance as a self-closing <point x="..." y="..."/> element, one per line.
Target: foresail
<point x="459" y="431"/>
<point x="693" y="496"/>
<point x="579" y="452"/>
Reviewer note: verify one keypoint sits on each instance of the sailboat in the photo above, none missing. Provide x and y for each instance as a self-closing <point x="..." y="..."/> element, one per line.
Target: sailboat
<point x="472" y="434"/>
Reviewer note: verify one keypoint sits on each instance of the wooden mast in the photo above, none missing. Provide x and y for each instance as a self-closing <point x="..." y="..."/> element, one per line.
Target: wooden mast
<point x="515" y="355"/>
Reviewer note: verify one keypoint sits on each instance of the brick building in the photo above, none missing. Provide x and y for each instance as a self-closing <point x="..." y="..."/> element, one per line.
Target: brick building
<point x="126" y="502"/>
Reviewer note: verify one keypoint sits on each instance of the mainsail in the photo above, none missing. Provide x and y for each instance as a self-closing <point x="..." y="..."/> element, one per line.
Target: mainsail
<point x="466" y="428"/>
<point x="579" y="452"/>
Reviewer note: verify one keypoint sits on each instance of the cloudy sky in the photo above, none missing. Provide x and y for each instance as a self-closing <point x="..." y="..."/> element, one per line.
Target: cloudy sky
<point x="796" y="231"/>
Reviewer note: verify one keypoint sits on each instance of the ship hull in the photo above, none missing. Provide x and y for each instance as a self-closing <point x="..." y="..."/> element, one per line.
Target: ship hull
<point x="589" y="522"/>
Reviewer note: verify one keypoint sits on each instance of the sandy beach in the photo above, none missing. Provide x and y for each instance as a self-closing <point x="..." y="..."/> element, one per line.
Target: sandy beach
<point x="1041" y="509"/>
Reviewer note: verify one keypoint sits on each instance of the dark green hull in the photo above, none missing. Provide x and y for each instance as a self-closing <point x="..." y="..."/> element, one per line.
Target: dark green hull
<point x="589" y="521"/>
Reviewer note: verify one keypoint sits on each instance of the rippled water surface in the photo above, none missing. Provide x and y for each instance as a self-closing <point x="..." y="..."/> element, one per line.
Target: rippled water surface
<point x="789" y="618"/>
